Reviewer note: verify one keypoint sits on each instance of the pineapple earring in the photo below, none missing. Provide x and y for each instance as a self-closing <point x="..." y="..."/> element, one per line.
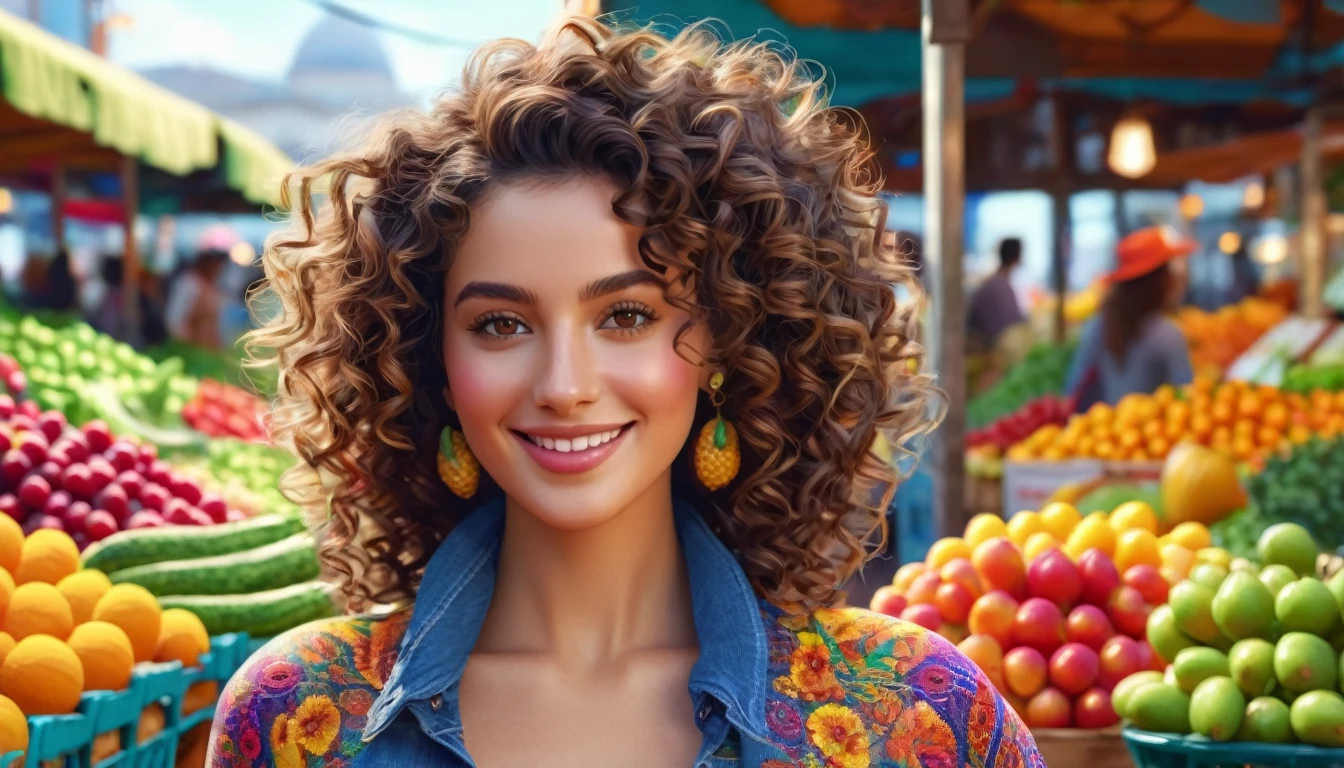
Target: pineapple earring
<point x="458" y="467"/>
<point x="717" y="456"/>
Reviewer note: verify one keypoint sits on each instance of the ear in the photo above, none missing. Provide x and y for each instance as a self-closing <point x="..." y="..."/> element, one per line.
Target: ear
<point x="448" y="398"/>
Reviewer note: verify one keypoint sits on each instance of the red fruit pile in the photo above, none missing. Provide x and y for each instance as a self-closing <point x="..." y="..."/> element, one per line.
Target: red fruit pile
<point x="223" y="410"/>
<point x="12" y="376"/>
<point x="1054" y="636"/>
<point x="1020" y="424"/>
<point x="89" y="483"/>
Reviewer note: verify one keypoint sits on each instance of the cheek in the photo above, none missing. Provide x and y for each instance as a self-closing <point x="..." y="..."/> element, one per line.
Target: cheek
<point x="483" y="386"/>
<point x="656" y="381"/>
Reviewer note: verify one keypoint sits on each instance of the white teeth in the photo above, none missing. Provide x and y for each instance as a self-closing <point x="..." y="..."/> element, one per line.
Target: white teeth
<point x="563" y="445"/>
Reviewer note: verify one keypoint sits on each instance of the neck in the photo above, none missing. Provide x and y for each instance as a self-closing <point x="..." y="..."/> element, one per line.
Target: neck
<point x="587" y="597"/>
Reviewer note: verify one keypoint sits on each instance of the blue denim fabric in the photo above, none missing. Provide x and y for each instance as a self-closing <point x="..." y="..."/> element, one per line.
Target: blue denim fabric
<point x="417" y="720"/>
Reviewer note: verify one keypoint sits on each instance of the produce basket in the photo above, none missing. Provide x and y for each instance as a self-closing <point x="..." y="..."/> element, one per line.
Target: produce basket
<point x="1065" y="747"/>
<point x="70" y="738"/>
<point x="1165" y="750"/>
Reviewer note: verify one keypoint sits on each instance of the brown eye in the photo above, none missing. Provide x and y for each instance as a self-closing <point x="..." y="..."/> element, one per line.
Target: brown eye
<point x="625" y="318"/>
<point x="504" y="326"/>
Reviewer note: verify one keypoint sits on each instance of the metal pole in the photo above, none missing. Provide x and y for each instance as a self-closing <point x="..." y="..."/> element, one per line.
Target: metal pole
<point x="1314" y="211"/>
<point x="946" y="28"/>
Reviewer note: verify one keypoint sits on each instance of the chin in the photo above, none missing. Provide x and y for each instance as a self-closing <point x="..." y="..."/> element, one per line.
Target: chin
<point x="573" y="508"/>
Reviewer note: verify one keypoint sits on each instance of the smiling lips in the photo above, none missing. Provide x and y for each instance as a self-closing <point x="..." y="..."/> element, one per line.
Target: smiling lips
<point x="572" y="450"/>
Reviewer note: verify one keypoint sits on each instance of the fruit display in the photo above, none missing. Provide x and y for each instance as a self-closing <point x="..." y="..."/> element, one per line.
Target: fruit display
<point x="1218" y="338"/>
<point x="223" y="410"/>
<point x="246" y="475"/>
<point x="1303" y="378"/>
<point x="220" y="365"/>
<point x="1052" y="605"/>
<point x="1041" y="372"/>
<point x="255" y="576"/>
<point x="1252" y="651"/>
<point x="1304" y="486"/>
<point x="1018" y="425"/>
<point x="1242" y="421"/>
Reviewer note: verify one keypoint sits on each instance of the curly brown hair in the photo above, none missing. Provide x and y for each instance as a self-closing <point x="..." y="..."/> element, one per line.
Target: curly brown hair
<point x="740" y="178"/>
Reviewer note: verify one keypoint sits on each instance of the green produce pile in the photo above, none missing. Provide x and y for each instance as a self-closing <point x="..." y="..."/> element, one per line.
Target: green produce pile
<point x="220" y="365"/>
<point x="246" y="475"/>
<point x="1305" y="378"/>
<point x="255" y="576"/>
<point x="1041" y="372"/>
<point x="1305" y="487"/>
<point x="1254" y="652"/>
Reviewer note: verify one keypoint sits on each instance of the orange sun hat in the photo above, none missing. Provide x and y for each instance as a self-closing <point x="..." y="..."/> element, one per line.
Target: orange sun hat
<point x="1145" y="250"/>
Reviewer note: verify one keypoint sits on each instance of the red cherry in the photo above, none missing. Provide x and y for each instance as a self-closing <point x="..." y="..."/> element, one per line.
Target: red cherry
<point x="34" y="491"/>
<point x="52" y="424"/>
<point x="99" y="525"/>
<point x="98" y="436"/>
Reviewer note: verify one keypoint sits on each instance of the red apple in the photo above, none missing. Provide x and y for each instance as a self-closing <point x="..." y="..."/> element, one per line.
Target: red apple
<point x="78" y="480"/>
<point x="187" y="489"/>
<point x="923" y="614"/>
<point x="960" y="571"/>
<point x="14" y="466"/>
<point x="75" y="515"/>
<point x="1149" y="658"/>
<point x="993" y="615"/>
<point x="954" y="602"/>
<point x="1099" y="577"/>
<point x="131" y="482"/>
<point x="99" y="525"/>
<point x="1039" y="624"/>
<point x="1120" y="657"/>
<point x="1025" y="671"/>
<point x="923" y="588"/>
<point x="52" y="424"/>
<point x="886" y="600"/>
<point x="75" y="443"/>
<point x="1128" y="612"/>
<point x="34" y="446"/>
<point x="33" y="492"/>
<point x="1049" y="709"/>
<point x="102" y="472"/>
<point x="160" y="472"/>
<point x="1074" y="668"/>
<point x="98" y="436"/>
<point x="1149" y="583"/>
<point x="1054" y="577"/>
<point x="155" y="497"/>
<point x="1093" y="709"/>
<point x="1087" y="624"/>
<point x="113" y="498"/>
<point x="998" y="562"/>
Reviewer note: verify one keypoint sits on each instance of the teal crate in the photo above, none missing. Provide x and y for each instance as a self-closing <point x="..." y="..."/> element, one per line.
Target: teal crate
<point x="71" y="737"/>
<point x="1166" y="750"/>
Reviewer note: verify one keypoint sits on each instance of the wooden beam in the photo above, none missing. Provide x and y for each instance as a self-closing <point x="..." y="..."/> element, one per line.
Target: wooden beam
<point x="58" y="189"/>
<point x="130" y="257"/>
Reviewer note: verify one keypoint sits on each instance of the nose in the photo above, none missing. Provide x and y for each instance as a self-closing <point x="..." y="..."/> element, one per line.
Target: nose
<point x="570" y="378"/>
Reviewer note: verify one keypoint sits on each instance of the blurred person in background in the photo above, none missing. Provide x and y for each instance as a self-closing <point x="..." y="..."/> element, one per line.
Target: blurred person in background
<point x="106" y="316"/>
<point x="1131" y="346"/>
<point x="994" y="304"/>
<point x="195" y="303"/>
<point x="62" y="287"/>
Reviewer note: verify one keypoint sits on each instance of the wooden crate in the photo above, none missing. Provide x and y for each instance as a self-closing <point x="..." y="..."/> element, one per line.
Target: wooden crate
<point x="1077" y="748"/>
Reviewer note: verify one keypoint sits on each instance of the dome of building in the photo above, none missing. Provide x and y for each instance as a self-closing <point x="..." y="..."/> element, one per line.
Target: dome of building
<point x="340" y="45"/>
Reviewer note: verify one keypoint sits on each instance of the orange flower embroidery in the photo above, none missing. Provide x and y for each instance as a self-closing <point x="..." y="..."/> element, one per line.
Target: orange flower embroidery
<point x="839" y="733"/>
<point x="810" y="669"/>
<point x="315" y="724"/>
<point x="284" y="751"/>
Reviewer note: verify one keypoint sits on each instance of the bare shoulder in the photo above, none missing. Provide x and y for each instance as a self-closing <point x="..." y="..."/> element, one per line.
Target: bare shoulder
<point x="306" y="694"/>
<point x="894" y="690"/>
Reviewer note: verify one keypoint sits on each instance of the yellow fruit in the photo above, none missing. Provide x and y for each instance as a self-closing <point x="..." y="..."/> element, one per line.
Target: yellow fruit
<point x="1092" y="533"/>
<point x="457" y="465"/>
<point x="105" y="654"/>
<point x="7" y="644"/>
<point x="6" y="588"/>
<point x="82" y="590"/>
<point x="48" y="556"/>
<point x="38" y="608"/>
<point x="717" y="457"/>
<point x="1036" y="544"/>
<point x="11" y="543"/>
<point x="946" y="550"/>
<point x="1191" y="535"/>
<point x="43" y="676"/>
<point x="1172" y="577"/>
<point x="1134" y="514"/>
<point x="1022" y="525"/>
<point x="1137" y="546"/>
<point x="182" y="637"/>
<point x="1177" y="559"/>
<point x="983" y="527"/>
<point x="1215" y="555"/>
<point x="1060" y="519"/>
<point x="135" y="610"/>
<point x="13" y="727"/>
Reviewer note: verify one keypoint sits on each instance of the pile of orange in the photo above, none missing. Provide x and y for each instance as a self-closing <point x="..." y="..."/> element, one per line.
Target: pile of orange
<point x="1218" y="338"/>
<point x="1242" y="421"/>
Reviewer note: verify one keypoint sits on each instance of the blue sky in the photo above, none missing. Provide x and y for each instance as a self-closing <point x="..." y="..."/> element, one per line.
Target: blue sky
<point x="257" y="38"/>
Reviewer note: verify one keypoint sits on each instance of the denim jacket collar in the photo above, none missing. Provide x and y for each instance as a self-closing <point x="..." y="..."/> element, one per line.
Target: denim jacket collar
<point x="459" y="583"/>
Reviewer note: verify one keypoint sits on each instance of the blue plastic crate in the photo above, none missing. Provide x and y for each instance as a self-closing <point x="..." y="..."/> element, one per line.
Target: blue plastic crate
<point x="1166" y="750"/>
<point x="71" y="737"/>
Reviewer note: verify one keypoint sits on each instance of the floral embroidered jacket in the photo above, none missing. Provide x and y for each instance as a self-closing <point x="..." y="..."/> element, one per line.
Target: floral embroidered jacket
<point x="841" y="688"/>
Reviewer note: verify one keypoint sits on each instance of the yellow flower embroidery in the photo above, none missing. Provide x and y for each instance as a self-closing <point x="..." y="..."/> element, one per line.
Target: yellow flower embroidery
<point x="811" y="671"/>
<point x="316" y="724"/>
<point x="284" y="751"/>
<point x="838" y="732"/>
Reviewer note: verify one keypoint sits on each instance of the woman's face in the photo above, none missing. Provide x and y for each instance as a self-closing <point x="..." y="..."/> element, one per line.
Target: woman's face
<point x="560" y="354"/>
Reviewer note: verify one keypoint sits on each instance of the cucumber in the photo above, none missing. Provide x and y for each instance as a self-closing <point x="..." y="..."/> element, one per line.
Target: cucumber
<point x="278" y="564"/>
<point x="262" y="614"/>
<point x="128" y="549"/>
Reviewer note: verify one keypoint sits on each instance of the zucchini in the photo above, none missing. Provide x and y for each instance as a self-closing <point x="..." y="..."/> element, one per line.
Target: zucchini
<point x="262" y="614"/>
<point x="143" y="546"/>
<point x="278" y="564"/>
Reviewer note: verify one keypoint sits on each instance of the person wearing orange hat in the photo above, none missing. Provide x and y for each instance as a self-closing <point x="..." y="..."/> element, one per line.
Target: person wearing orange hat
<point x="1131" y="345"/>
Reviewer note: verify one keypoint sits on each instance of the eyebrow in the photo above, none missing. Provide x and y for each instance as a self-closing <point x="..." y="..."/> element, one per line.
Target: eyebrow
<point x="601" y="287"/>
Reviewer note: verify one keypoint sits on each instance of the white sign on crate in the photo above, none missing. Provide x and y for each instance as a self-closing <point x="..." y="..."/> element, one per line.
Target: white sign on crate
<point x="1268" y="358"/>
<point x="1029" y="484"/>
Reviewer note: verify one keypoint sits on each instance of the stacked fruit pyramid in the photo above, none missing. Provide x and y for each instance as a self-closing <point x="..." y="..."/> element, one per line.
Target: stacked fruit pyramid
<point x="66" y="630"/>
<point x="1255" y="651"/>
<point x="1053" y="606"/>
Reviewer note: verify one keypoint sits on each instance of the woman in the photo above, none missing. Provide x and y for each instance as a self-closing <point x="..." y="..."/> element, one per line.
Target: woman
<point x="612" y="294"/>
<point x="1131" y="346"/>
